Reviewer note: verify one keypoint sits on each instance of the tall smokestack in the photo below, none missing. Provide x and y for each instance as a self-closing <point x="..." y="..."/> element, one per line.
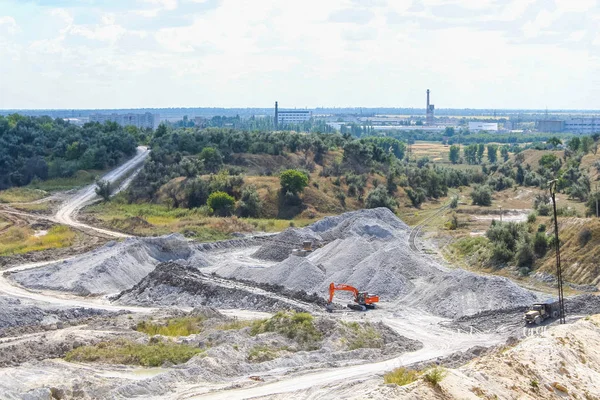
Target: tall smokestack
<point x="427" y="109"/>
<point x="276" y="115"/>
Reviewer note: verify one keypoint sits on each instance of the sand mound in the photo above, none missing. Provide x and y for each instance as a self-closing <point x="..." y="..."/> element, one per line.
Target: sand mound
<point x="111" y="268"/>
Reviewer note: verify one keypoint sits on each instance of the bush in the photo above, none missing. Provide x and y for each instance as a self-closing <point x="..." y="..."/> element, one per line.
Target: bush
<point x="221" y="203"/>
<point x="379" y="197"/>
<point x="501" y="254"/>
<point x="103" y="189"/>
<point x="531" y="217"/>
<point x="293" y="181"/>
<point x="540" y="243"/>
<point x="454" y="202"/>
<point x="401" y="376"/>
<point x="293" y="325"/>
<point x="584" y="237"/>
<point x="174" y="327"/>
<point x="524" y="255"/>
<point x="543" y="210"/>
<point x="417" y="196"/>
<point x="481" y="195"/>
<point x="259" y="354"/>
<point x="435" y="375"/>
<point x="250" y="204"/>
<point x="123" y="351"/>
<point x="542" y="228"/>
<point x="211" y="159"/>
<point x="196" y="193"/>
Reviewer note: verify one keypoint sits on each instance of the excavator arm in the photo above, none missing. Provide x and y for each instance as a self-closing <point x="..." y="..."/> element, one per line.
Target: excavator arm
<point x="340" y="286"/>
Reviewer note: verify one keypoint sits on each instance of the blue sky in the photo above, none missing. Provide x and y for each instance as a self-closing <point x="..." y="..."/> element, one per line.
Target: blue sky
<point x="309" y="53"/>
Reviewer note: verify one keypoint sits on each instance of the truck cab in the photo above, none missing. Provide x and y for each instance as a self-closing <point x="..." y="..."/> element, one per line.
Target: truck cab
<point x="539" y="312"/>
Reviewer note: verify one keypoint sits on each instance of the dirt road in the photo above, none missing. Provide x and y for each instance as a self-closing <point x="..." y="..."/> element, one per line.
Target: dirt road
<point x="68" y="210"/>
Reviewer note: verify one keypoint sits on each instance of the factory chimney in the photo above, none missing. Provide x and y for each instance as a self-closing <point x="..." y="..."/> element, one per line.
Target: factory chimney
<point x="429" y="111"/>
<point x="276" y="115"/>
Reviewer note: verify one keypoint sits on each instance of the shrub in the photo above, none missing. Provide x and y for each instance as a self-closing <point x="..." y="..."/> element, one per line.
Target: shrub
<point x="501" y="254"/>
<point x="543" y="210"/>
<point x="196" y="192"/>
<point x="401" y="376"/>
<point x="293" y="181"/>
<point x="524" y="255"/>
<point x="250" y="204"/>
<point x="417" y="196"/>
<point x="481" y="195"/>
<point x="435" y="375"/>
<point x="540" y="243"/>
<point x="211" y="159"/>
<point x="259" y="354"/>
<point x="531" y="217"/>
<point x="103" y="189"/>
<point x="584" y="237"/>
<point x="174" y="327"/>
<point x="379" y="197"/>
<point x="293" y="325"/>
<point x="541" y="228"/>
<point x="123" y="351"/>
<point x="221" y="203"/>
<point x="454" y="202"/>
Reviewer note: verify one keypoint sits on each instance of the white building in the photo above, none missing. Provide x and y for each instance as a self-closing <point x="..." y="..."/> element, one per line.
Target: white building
<point x="143" y="121"/>
<point x="582" y="125"/>
<point x="483" y="126"/>
<point x="293" y="116"/>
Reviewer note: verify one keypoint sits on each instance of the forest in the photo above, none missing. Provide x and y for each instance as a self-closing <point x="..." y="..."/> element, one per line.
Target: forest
<point x="43" y="148"/>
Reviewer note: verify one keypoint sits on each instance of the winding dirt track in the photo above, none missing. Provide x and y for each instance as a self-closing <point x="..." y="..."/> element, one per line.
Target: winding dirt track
<point x="68" y="210"/>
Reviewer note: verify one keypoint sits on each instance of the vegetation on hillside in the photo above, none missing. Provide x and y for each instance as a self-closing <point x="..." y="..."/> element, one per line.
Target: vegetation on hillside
<point x="40" y="148"/>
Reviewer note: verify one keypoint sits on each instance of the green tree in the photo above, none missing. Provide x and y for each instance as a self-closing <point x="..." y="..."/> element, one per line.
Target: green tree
<point x="480" y="151"/>
<point x="293" y="181"/>
<point x="492" y="153"/>
<point x="481" y="195"/>
<point x="249" y="204"/>
<point x="379" y="197"/>
<point x="211" y="158"/>
<point x="574" y="144"/>
<point x="221" y="203"/>
<point x="504" y="153"/>
<point x="470" y="153"/>
<point x="196" y="192"/>
<point x="554" y="141"/>
<point x="454" y="155"/>
<point x="586" y="144"/>
<point x="103" y="189"/>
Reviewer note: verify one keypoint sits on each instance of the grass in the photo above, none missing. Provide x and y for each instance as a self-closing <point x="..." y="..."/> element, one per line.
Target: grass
<point x="156" y="219"/>
<point x="79" y="179"/>
<point x="21" y="195"/>
<point x="360" y="336"/>
<point x="293" y="325"/>
<point x="401" y="376"/>
<point x="435" y="375"/>
<point x="260" y="353"/>
<point x="122" y="351"/>
<point x="184" y="326"/>
<point x="20" y="240"/>
<point x="235" y="325"/>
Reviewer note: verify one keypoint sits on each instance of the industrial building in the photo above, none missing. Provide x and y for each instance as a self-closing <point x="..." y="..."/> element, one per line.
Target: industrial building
<point x="583" y="125"/>
<point x="429" y="119"/>
<point x="286" y="117"/>
<point x="483" y="126"/>
<point x="142" y="121"/>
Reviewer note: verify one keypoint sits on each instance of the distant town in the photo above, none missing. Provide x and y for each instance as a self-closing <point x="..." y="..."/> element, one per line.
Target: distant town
<point x="428" y="119"/>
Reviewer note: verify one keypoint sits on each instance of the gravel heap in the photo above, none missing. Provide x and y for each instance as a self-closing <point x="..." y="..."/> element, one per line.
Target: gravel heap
<point x="173" y="284"/>
<point x="368" y="249"/>
<point x="279" y="247"/>
<point x="113" y="267"/>
<point x="19" y="313"/>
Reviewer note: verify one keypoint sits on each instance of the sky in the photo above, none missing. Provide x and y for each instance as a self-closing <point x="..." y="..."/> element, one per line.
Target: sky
<point x="309" y="53"/>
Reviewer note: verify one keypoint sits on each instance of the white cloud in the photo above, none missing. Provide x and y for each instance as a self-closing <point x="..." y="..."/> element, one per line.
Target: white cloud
<point x="9" y="24"/>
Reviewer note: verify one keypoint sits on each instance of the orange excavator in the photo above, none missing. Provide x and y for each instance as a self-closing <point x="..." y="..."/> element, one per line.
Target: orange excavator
<point x="363" y="300"/>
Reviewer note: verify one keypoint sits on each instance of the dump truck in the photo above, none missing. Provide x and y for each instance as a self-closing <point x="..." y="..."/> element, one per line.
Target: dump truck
<point x="540" y="312"/>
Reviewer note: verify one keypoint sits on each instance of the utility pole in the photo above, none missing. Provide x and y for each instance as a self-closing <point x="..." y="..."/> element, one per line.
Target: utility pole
<point x="561" y="300"/>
